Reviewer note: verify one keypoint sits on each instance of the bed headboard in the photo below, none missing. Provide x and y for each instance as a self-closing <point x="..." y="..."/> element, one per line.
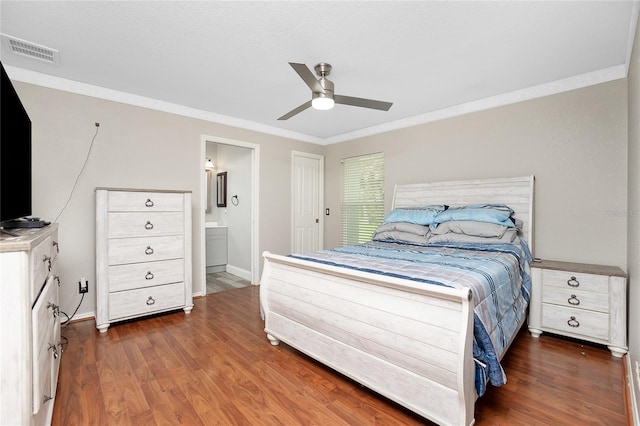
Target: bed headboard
<point x="515" y="192"/>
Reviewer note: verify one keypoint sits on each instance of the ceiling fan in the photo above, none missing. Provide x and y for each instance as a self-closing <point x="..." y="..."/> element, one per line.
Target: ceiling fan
<point x="322" y="95"/>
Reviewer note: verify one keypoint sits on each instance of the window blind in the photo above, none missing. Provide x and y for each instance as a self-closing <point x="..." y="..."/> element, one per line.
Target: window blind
<point x="362" y="209"/>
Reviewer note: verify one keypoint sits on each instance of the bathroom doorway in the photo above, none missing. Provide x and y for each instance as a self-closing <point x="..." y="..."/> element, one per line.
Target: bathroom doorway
<point x="230" y="224"/>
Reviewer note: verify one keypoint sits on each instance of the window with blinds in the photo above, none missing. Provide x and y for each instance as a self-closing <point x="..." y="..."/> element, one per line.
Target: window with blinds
<point x="362" y="197"/>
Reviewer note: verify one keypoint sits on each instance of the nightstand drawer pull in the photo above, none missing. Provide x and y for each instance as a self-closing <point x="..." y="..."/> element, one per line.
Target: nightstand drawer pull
<point x="148" y="250"/>
<point x="573" y="322"/>
<point x="573" y="282"/>
<point x="148" y="225"/>
<point x="573" y="300"/>
<point x="149" y="276"/>
<point x="148" y="203"/>
<point x="150" y="301"/>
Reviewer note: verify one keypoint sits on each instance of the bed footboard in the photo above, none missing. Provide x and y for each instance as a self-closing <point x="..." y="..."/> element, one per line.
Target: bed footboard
<point x="410" y="342"/>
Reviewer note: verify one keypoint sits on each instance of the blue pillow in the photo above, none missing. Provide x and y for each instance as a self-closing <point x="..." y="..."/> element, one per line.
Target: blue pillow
<point x="422" y="215"/>
<point x="491" y="213"/>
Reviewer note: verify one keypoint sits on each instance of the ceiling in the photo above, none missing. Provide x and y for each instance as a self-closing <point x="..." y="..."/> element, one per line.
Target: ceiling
<point x="228" y="61"/>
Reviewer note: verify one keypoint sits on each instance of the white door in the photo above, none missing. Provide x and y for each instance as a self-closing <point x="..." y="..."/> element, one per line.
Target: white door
<point x="307" y="199"/>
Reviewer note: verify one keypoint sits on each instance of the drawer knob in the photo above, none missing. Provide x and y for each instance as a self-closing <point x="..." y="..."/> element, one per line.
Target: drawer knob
<point x="148" y="203"/>
<point x="573" y="282"/>
<point x="149" y="276"/>
<point x="46" y="259"/>
<point x="55" y="309"/>
<point x="148" y="225"/>
<point x="573" y="300"/>
<point x="57" y="280"/>
<point x="148" y="250"/>
<point x="573" y="322"/>
<point x="54" y="349"/>
<point x="57" y="246"/>
<point x="150" y="301"/>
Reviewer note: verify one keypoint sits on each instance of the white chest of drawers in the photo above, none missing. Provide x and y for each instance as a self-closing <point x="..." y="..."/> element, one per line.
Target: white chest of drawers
<point x="143" y="253"/>
<point x="30" y="330"/>
<point x="582" y="301"/>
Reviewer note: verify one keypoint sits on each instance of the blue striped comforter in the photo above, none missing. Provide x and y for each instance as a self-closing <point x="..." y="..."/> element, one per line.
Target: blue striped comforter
<point x="497" y="274"/>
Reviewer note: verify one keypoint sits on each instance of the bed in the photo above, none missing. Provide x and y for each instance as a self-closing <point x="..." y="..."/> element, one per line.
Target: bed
<point x="412" y="337"/>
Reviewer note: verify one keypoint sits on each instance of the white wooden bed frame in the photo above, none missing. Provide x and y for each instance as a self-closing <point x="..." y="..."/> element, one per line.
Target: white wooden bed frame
<point x="408" y="341"/>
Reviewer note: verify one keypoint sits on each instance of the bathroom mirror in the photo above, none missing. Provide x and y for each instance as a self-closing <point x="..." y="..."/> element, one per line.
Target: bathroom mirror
<point x="209" y="206"/>
<point x="221" y="182"/>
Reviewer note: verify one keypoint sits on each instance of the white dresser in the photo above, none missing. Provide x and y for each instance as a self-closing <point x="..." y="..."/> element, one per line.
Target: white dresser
<point x="30" y="329"/>
<point x="143" y="253"/>
<point x="582" y="301"/>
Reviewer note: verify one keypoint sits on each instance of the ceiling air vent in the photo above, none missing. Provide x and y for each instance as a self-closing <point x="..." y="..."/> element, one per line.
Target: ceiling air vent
<point x="32" y="50"/>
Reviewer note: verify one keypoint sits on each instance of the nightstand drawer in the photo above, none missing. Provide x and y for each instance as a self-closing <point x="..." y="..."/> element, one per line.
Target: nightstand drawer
<point x="572" y="298"/>
<point x="573" y="321"/>
<point x="575" y="280"/>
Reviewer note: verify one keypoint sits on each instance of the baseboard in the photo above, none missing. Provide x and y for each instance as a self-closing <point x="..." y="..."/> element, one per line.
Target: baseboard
<point x="239" y="272"/>
<point x="632" y="406"/>
<point x="215" y="269"/>
<point x="84" y="317"/>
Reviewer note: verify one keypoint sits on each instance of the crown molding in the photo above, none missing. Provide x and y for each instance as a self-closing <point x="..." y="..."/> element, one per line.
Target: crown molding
<point x="58" y="83"/>
<point x="542" y="90"/>
<point x="547" y="89"/>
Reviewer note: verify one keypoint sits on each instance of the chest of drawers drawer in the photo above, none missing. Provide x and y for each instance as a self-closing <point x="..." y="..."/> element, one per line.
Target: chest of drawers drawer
<point x="582" y="301"/>
<point x="145" y="224"/>
<point x="41" y="264"/>
<point x="145" y="201"/>
<point x="46" y="344"/>
<point x="143" y="301"/>
<point x="148" y="274"/>
<point x="135" y="250"/>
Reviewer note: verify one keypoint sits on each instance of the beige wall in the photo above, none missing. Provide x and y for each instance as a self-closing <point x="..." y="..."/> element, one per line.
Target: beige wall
<point x="575" y="144"/>
<point x="633" y="214"/>
<point x="141" y="148"/>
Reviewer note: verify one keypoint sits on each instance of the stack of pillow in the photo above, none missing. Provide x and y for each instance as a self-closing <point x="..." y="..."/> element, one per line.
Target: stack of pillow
<point x="474" y="223"/>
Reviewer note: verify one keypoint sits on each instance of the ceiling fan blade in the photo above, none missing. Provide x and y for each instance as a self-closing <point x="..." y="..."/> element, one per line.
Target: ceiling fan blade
<point x="305" y="73"/>
<point x="361" y="102"/>
<point x="295" y="111"/>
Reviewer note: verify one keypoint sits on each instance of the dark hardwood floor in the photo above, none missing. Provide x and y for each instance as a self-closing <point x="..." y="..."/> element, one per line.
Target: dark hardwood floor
<point x="216" y="367"/>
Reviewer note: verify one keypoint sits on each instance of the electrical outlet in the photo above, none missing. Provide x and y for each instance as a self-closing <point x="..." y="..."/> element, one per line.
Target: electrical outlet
<point x="83" y="286"/>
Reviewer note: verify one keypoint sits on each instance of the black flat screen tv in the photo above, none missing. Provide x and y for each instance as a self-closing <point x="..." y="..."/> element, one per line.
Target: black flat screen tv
<point x="15" y="154"/>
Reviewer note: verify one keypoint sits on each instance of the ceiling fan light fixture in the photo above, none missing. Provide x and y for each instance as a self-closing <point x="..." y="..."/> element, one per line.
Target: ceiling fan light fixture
<point x="323" y="93"/>
<point x="322" y="103"/>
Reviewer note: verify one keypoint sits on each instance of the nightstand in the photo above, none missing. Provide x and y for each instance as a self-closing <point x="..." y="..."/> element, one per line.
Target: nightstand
<point x="583" y="301"/>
